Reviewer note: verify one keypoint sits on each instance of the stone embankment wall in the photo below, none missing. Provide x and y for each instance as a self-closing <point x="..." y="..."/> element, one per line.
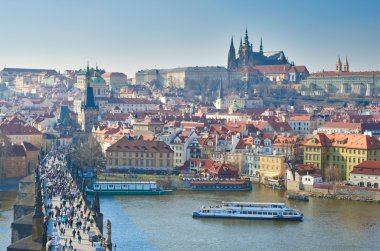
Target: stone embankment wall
<point x="340" y="192"/>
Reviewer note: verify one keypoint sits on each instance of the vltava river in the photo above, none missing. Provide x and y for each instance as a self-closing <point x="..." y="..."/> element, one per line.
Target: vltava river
<point x="7" y="200"/>
<point x="165" y="223"/>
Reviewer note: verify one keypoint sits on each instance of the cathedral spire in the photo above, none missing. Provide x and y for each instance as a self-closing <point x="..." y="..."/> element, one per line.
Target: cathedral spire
<point x="231" y="55"/>
<point x="346" y="66"/>
<point x="261" y="46"/>
<point x="246" y="42"/>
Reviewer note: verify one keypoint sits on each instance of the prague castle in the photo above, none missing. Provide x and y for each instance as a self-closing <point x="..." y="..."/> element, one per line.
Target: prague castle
<point x="246" y="57"/>
<point x="342" y="82"/>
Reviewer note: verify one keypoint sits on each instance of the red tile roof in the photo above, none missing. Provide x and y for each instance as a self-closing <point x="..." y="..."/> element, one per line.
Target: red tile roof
<point x="273" y="69"/>
<point x="18" y="127"/>
<point x="126" y="145"/>
<point x="353" y="141"/>
<point x="369" y="167"/>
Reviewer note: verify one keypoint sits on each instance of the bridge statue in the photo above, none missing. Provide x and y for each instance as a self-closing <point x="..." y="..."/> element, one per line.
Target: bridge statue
<point x="108" y="239"/>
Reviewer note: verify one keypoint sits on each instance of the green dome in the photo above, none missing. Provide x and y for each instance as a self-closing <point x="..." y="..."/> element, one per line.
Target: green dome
<point x="234" y="106"/>
<point x="97" y="80"/>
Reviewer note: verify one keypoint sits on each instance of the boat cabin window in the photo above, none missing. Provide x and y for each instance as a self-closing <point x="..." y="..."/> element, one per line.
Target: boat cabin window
<point x="265" y="213"/>
<point x="260" y="213"/>
<point x="274" y="213"/>
<point x="96" y="186"/>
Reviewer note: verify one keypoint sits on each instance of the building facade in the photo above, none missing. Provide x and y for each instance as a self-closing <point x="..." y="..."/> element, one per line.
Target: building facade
<point x="341" y="151"/>
<point x="139" y="155"/>
<point x="342" y="82"/>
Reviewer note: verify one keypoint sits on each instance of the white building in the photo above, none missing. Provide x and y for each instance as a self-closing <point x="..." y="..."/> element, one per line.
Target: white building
<point x="366" y="174"/>
<point x="182" y="77"/>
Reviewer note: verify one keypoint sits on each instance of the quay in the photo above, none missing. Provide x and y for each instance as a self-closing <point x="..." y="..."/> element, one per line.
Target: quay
<point x="53" y="213"/>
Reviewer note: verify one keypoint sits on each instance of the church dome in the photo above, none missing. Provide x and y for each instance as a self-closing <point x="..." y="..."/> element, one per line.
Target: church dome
<point x="97" y="80"/>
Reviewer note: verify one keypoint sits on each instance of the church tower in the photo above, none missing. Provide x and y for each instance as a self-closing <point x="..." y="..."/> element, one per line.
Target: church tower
<point x="261" y="47"/>
<point x="219" y="103"/>
<point x="338" y="65"/>
<point x="89" y="110"/>
<point x="231" y="55"/>
<point x="346" y="66"/>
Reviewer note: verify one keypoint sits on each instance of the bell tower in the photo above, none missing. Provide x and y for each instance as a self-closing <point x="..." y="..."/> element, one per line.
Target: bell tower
<point x="346" y="66"/>
<point x="338" y="65"/>
<point x="89" y="110"/>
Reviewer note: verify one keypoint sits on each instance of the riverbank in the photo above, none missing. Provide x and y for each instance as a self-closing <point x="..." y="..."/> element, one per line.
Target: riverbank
<point x="321" y="195"/>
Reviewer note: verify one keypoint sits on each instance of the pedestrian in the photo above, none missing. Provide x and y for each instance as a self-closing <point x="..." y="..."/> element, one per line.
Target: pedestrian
<point x="79" y="238"/>
<point x="74" y="232"/>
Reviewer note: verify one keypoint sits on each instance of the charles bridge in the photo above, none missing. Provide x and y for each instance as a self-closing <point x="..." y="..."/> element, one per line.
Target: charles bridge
<point x="34" y="229"/>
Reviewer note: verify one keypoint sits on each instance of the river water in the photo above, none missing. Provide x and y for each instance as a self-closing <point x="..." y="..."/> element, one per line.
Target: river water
<point x="7" y="199"/>
<point x="165" y="223"/>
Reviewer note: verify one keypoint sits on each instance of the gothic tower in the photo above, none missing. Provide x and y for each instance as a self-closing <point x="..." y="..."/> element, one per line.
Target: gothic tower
<point x="338" y="65"/>
<point x="231" y="56"/>
<point x="346" y="66"/>
<point x="261" y="46"/>
<point x="89" y="109"/>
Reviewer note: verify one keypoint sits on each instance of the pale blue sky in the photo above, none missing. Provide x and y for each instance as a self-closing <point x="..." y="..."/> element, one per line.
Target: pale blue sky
<point x="131" y="35"/>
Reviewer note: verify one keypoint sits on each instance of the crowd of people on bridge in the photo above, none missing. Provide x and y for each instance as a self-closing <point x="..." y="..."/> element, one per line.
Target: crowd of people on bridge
<point x="64" y="205"/>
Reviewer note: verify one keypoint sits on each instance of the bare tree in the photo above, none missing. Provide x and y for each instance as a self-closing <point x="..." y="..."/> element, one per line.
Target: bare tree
<point x="87" y="153"/>
<point x="333" y="174"/>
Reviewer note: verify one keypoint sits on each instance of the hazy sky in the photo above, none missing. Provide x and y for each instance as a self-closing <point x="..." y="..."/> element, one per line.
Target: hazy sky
<point x="130" y="35"/>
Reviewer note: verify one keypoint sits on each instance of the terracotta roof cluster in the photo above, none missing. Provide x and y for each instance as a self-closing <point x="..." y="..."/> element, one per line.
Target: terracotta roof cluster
<point x="339" y="125"/>
<point x="305" y="169"/>
<point x="300" y="118"/>
<point x="274" y="69"/>
<point x="16" y="126"/>
<point x="353" y="141"/>
<point x="140" y="146"/>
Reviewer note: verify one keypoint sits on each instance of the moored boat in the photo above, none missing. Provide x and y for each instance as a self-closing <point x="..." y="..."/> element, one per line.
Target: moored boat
<point x="249" y="210"/>
<point x="221" y="185"/>
<point x="126" y="188"/>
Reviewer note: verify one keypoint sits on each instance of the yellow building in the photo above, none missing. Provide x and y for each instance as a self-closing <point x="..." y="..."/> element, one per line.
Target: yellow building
<point x="20" y="161"/>
<point x="271" y="167"/>
<point x="342" y="151"/>
<point x="139" y="155"/>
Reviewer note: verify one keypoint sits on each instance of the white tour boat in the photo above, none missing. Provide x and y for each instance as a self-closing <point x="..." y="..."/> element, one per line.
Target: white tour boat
<point x="250" y="210"/>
